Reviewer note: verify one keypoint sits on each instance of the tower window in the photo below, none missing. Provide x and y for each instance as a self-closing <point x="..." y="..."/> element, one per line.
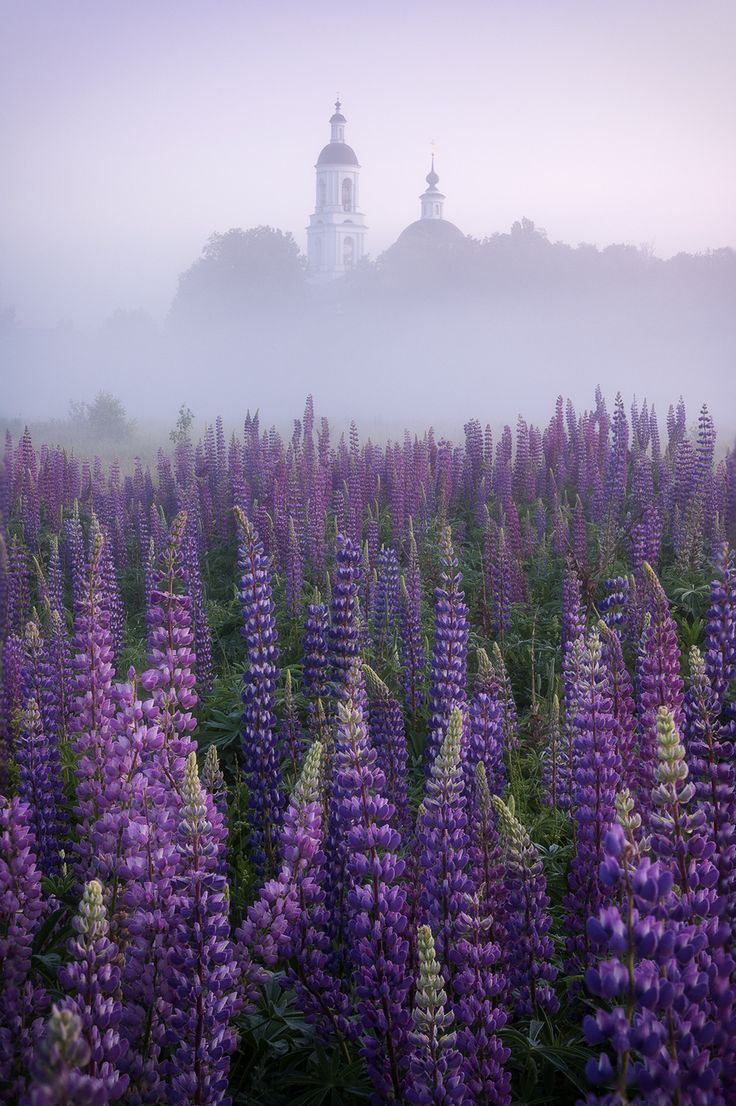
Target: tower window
<point x="321" y="193"/>
<point x="348" y="252"/>
<point x="347" y="194"/>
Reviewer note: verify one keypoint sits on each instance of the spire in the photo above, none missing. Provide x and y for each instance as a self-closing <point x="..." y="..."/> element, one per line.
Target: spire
<point x="337" y="123"/>
<point x="432" y="199"/>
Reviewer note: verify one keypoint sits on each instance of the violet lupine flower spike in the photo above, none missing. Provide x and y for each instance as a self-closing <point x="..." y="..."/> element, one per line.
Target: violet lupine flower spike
<point x="92" y="707"/>
<point x="527" y="904"/>
<point x="344" y="633"/>
<point x="59" y="1067"/>
<point x="385" y="602"/>
<point x="622" y="700"/>
<point x="21" y="908"/>
<point x="477" y="985"/>
<point x="505" y="695"/>
<point x="200" y="619"/>
<point x="260" y="740"/>
<point x="629" y="820"/>
<point x="555" y="763"/>
<point x="91" y="980"/>
<point x="410" y="631"/>
<point x="720" y="633"/>
<point x="294" y="571"/>
<point x="111" y="598"/>
<point x="171" y="679"/>
<point x="203" y="970"/>
<point x="487" y="860"/>
<point x="40" y="785"/>
<point x="679" y="841"/>
<point x="450" y="649"/>
<point x="710" y="746"/>
<point x="213" y="782"/>
<point x="437" y="1074"/>
<point x="659" y="685"/>
<point x="412" y="651"/>
<point x="288" y="923"/>
<point x="649" y="979"/>
<point x="316" y="665"/>
<point x="596" y="776"/>
<point x="485" y="730"/>
<point x="386" y="729"/>
<point x="376" y="904"/>
<point x="443" y="840"/>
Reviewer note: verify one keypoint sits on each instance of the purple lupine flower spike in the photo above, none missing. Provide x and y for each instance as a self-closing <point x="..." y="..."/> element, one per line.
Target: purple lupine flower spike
<point x="260" y="746"/>
<point x="376" y="906"/>
<point x="91" y="980"/>
<point x="450" y="649"/>
<point x="213" y="781"/>
<point x="344" y="633"/>
<point x="720" y="632"/>
<point x="622" y="701"/>
<point x="502" y="690"/>
<point x="487" y="862"/>
<point x="650" y="987"/>
<point x="596" y="776"/>
<point x="659" y="685"/>
<point x="437" y="1070"/>
<point x="170" y="679"/>
<point x="59" y="1069"/>
<point x="203" y="969"/>
<point x="555" y="763"/>
<point x="477" y="984"/>
<point x="443" y="839"/>
<point x="486" y="736"/>
<point x="316" y="664"/>
<point x="21" y="908"/>
<point x="531" y="971"/>
<point x="192" y="573"/>
<point x="385" y="602"/>
<point x="39" y="784"/>
<point x="410" y="630"/>
<point x="386" y="729"/>
<point x="710" y="745"/>
<point x="92" y="707"/>
<point x="288" y="923"/>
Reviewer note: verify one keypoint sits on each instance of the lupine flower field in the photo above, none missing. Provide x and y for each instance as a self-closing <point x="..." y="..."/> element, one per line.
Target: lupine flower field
<point x="336" y="772"/>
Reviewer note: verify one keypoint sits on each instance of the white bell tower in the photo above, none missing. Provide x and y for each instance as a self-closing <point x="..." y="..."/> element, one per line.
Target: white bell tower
<point x="336" y="231"/>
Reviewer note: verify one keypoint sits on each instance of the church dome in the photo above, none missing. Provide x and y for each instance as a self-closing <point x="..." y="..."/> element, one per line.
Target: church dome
<point x="432" y="229"/>
<point x="439" y="231"/>
<point x="337" y="153"/>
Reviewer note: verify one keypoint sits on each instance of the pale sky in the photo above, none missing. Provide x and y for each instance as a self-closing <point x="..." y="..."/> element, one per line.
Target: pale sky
<point x="131" y="130"/>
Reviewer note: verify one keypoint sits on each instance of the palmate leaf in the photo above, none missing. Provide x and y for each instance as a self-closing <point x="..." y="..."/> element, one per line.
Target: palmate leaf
<point x="330" y="1080"/>
<point x="541" y="1048"/>
<point x="222" y="729"/>
<point x="276" y="1025"/>
<point x="49" y="942"/>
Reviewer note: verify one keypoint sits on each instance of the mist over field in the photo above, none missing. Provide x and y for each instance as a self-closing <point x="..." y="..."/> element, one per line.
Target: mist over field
<point x="152" y="226"/>
<point x="406" y="345"/>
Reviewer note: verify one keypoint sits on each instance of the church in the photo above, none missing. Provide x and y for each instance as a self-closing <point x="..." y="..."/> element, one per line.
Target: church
<point x="336" y="235"/>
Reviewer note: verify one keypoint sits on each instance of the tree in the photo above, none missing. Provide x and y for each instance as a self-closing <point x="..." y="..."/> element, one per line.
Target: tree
<point x="105" y="419"/>
<point x="182" y="431"/>
<point x="240" y="273"/>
